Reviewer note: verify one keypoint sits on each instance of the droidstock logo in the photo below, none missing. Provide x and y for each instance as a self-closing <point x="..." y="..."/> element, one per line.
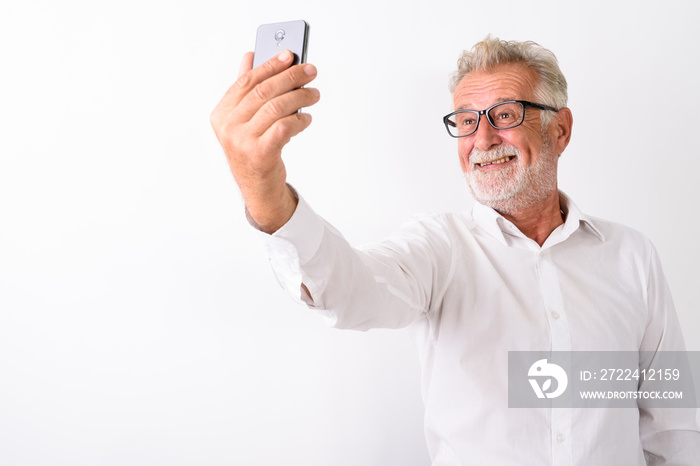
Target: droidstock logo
<point x="546" y="372"/>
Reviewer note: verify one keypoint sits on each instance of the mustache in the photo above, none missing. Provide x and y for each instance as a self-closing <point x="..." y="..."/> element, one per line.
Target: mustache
<point x="481" y="156"/>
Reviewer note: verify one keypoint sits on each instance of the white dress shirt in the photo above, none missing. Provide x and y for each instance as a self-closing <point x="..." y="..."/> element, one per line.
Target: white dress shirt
<point x="472" y="287"/>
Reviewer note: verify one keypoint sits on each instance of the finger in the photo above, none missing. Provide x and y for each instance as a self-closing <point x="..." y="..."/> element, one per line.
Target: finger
<point x="275" y="86"/>
<point x="246" y="63"/>
<point x="283" y="130"/>
<point x="251" y="77"/>
<point x="281" y="107"/>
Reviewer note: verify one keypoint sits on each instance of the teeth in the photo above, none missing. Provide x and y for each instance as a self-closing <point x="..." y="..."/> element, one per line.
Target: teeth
<point x="501" y="160"/>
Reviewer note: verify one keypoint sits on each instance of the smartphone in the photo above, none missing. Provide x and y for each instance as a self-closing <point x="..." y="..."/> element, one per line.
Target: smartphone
<point x="273" y="38"/>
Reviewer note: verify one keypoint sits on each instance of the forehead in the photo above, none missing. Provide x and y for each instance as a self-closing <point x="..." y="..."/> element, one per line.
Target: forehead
<point x="481" y="89"/>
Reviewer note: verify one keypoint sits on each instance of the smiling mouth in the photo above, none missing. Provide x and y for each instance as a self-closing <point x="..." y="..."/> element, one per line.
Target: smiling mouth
<point x="505" y="159"/>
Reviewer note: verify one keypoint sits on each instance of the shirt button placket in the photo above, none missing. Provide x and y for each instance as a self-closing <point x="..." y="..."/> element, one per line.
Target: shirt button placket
<point x="561" y="341"/>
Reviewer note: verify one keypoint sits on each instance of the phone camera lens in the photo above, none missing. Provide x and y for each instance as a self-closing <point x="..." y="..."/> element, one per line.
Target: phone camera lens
<point x="279" y="35"/>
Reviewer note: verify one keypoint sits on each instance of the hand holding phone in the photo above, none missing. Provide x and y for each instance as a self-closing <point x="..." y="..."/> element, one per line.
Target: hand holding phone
<point x="254" y="121"/>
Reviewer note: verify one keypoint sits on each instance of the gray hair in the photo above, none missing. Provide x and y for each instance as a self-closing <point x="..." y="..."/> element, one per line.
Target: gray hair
<point x="492" y="52"/>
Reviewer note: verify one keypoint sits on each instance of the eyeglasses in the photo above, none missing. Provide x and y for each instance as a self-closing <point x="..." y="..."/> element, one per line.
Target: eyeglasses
<point x="503" y="115"/>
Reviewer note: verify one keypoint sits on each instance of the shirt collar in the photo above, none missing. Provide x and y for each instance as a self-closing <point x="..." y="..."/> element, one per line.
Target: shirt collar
<point x="574" y="217"/>
<point x="495" y="225"/>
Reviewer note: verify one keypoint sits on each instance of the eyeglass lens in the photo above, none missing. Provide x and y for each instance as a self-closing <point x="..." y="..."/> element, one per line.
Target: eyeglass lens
<point x="502" y="116"/>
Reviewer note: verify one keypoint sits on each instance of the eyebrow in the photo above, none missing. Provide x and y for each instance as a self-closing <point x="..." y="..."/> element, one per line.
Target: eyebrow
<point x="468" y="107"/>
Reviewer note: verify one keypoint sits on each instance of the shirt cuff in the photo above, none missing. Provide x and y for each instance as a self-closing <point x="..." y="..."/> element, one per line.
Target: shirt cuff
<point x="304" y="232"/>
<point x="292" y="246"/>
<point x="299" y="238"/>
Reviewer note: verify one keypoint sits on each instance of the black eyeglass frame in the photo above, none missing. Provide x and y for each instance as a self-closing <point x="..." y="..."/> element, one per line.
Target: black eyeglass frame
<point x="524" y="103"/>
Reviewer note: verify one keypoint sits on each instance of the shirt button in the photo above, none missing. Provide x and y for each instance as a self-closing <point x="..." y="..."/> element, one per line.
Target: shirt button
<point x="560" y="438"/>
<point x="555" y="314"/>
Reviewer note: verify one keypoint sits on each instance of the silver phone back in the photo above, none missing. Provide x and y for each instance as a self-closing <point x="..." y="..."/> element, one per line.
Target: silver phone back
<point x="272" y="38"/>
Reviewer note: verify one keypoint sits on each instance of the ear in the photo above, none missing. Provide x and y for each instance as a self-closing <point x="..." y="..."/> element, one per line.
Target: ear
<point x="560" y="129"/>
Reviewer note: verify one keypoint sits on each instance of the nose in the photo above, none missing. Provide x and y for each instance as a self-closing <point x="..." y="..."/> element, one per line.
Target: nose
<point x="486" y="136"/>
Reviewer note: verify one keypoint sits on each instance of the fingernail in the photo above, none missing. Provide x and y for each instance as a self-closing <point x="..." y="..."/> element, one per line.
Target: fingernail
<point x="314" y="91"/>
<point x="285" y="56"/>
<point x="310" y="70"/>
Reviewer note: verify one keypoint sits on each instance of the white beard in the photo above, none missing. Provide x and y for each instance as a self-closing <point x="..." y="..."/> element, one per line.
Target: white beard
<point x="514" y="188"/>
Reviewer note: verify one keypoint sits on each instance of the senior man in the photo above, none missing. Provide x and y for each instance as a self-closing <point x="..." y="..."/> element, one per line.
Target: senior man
<point x="526" y="270"/>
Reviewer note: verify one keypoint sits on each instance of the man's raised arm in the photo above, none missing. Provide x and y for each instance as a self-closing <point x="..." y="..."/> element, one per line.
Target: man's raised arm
<point x="255" y="119"/>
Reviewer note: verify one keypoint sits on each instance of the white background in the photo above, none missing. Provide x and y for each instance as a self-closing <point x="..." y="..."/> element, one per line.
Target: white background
<point x="139" y="322"/>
